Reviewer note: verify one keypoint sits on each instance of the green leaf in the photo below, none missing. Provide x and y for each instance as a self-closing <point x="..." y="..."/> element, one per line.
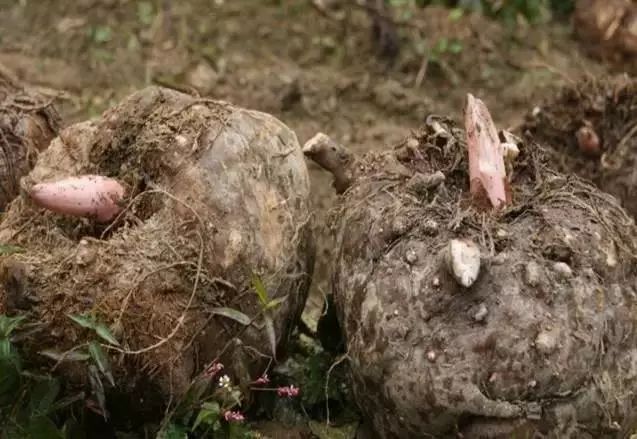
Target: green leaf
<point x="43" y="428"/>
<point x="455" y="47"/>
<point x="9" y="377"/>
<point x="42" y="397"/>
<point x="173" y="431"/>
<point x="98" y="388"/>
<point x="323" y="431"/>
<point x="89" y="322"/>
<point x="66" y="402"/>
<point x="106" y="334"/>
<point x="9" y="324"/>
<point x="260" y="290"/>
<point x="269" y="327"/>
<point x="101" y="359"/>
<point x="74" y="430"/>
<point x="102" y="34"/>
<point x="233" y="314"/>
<point x="7" y="350"/>
<point x="83" y="321"/>
<point x="275" y="302"/>
<point x="198" y="387"/>
<point x="6" y="249"/>
<point x="441" y="46"/>
<point x="72" y="355"/>
<point x="456" y="14"/>
<point x="235" y="394"/>
<point x="237" y="430"/>
<point x="208" y="415"/>
<point x="145" y="12"/>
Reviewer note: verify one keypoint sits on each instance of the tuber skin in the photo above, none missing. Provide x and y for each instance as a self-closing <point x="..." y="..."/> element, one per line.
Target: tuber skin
<point x="91" y="196"/>
<point x="486" y="156"/>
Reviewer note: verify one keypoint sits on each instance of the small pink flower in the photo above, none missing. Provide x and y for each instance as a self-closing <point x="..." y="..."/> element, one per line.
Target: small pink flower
<point x="288" y="391"/>
<point x="213" y="369"/>
<point x="263" y="379"/>
<point x="231" y="416"/>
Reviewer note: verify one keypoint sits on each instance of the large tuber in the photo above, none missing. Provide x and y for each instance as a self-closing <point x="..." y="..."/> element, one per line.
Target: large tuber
<point x="219" y="194"/>
<point x="542" y="344"/>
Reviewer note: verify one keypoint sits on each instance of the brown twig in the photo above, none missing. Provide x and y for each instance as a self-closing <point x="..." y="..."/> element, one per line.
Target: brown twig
<point x="332" y="157"/>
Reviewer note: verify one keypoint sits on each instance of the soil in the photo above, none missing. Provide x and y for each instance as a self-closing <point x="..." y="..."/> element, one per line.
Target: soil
<point x="607" y="106"/>
<point x="285" y="57"/>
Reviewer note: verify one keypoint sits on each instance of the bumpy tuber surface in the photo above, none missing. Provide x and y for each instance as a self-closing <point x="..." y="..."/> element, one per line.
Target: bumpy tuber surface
<point x="541" y="344"/>
<point x="486" y="156"/>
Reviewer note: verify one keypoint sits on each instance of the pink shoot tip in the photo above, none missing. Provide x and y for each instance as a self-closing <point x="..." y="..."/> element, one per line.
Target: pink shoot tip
<point x="487" y="171"/>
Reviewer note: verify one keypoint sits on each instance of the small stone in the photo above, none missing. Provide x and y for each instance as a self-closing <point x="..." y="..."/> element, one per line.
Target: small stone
<point x="501" y="233"/>
<point x="533" y="274"/>
<point x="463" y="261"/>
<point x="436" y="282"/>
<point x="481" y="314"/>
<point x="203" y="77"/>
<point x="85" y="255"/>
<point x="411" y="256"/>
<point x="396" y="312"/>
<point x="563" y="269"/>
<point x="430" y="227"/>
<point x="510" y="151"/>
<point x="431" y="356"/>
<point x="500" y="258"/>
<point x="611" y="255"/>
<point x="546" y="342"/>
<point x="532" y="384"/>
<point x="534" y="411"/>
<point x="420" y="183"/>
<point x="181" y="140"/>
<point x="399" y="226"/>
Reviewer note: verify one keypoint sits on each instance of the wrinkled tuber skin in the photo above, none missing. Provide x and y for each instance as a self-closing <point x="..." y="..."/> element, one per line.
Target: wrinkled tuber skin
<point x="28" y="123"/>
<point x="544" y="341"/>
<point x="244" y="175"/>
<point x="607" y="107"/>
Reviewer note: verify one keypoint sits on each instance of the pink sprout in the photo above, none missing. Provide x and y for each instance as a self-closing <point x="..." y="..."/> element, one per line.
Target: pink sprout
<point x="288" y="391"/>
<point x="263" y="379"/>
<point x="213" y="369"/>
<point x="231" y="416"/>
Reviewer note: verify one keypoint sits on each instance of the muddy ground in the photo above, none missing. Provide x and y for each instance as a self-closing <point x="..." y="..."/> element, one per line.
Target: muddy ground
<point x="314" y="72"/>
